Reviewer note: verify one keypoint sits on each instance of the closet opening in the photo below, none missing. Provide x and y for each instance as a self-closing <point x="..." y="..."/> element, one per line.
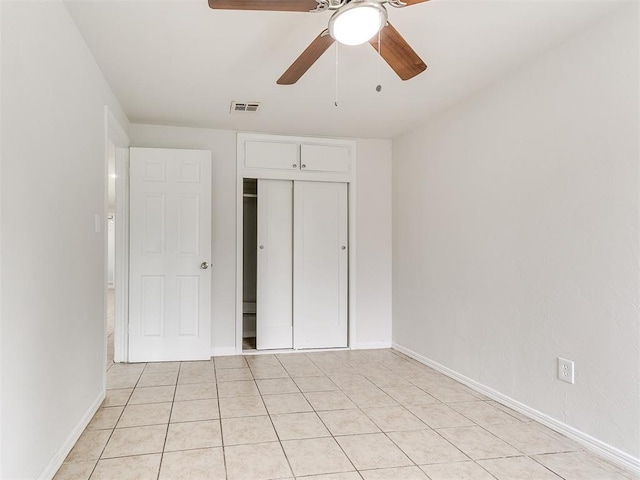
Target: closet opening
<point x="295" y="264"/>
<point x="249" y="262"/>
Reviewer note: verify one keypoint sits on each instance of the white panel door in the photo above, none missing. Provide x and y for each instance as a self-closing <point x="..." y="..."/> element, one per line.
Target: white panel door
<point x="170" y="235"/>
<point x="274" y="303"/>
<point x="320" y="264"/>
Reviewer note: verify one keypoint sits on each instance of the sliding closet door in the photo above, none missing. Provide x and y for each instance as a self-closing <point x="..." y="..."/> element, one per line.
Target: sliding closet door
<point x="320" y="264"/>
<point x="275" y="256"/>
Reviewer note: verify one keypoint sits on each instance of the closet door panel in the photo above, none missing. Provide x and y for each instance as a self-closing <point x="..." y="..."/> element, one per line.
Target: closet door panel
<point x="274" y="299"/>
<point x="320" y="264"/>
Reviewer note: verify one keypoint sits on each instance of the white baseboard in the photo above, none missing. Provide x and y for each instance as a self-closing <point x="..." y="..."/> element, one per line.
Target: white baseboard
<point x="371" y="345"/>
<point x="58" y="459"/>
<point x="223" y="351"/>
<point x="608" y="452"/>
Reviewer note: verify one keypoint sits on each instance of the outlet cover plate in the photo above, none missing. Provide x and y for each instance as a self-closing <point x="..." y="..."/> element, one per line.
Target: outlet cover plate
<point x="566" y="370"/>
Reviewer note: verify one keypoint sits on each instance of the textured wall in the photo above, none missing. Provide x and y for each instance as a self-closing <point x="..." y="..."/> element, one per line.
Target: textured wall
<point x="52" y="349"/>
<point x="516" y="234"/>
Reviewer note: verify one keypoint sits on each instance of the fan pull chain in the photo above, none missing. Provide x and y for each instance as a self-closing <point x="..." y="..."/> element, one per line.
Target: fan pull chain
<point x="335" y="102"/>
<point x="379" y="86"/>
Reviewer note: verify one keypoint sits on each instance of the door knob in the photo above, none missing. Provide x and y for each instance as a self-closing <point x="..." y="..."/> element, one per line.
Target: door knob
<point x="204" y="265"/>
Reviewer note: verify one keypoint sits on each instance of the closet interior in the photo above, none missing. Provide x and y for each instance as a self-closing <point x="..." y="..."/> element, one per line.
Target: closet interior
<point x="249" y="257"/>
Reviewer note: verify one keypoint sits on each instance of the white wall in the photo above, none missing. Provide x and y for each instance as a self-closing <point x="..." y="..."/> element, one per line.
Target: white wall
<point x="515" y="234"/>
<point x="53" y="348"/>
<point x="373" y="241"/>
<point x="373" y="237"/>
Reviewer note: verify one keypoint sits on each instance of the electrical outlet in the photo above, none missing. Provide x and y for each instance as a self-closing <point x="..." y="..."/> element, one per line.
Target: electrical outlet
<point x="565" y="370"/>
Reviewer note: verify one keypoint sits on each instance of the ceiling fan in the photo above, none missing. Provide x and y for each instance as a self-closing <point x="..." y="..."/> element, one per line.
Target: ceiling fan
<point x="352" y="23"/>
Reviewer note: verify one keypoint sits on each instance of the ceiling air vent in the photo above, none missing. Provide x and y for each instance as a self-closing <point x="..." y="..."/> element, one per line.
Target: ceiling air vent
<point x="249" y="107"/>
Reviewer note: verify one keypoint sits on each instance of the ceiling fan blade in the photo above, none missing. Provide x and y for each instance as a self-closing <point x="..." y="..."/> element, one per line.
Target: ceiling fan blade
<point x="413" y="2"/>
<point x="307" y="58"/>
<point x="398" y="53"/>
<point x="272" y="5"/>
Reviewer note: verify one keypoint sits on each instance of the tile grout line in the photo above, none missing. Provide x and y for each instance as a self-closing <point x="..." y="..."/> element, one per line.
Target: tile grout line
<point x="166" y="434"/>
<point x="544" y="466"/>
<point x="222" y="445"/>
<point x="336" y="441"/>
<point x="321" y="421"/>
<point x="284" y="452"/>
<point x="114" y="427"/>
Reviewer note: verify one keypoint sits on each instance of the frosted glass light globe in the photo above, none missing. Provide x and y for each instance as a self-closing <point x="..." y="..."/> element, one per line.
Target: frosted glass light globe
<point x="357" y="22"/>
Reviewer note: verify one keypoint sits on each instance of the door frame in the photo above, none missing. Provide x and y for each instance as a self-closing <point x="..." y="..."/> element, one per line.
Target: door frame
<point x="349" y="178"/>
<point x="115" y="132"/>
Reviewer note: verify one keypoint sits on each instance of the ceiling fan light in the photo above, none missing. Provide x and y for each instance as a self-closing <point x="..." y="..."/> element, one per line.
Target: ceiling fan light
<point x="357" y="23"/>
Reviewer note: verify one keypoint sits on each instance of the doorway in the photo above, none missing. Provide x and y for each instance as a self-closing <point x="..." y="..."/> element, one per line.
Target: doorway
<point x="111" y="249"/>
<point x="116" y="231"/>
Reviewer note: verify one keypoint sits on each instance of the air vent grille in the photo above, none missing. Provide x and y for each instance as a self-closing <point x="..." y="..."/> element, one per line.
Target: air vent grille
<point x="249" y="107"/>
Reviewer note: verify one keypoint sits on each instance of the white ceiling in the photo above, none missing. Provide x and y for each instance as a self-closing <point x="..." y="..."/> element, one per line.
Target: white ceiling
<point x="180" y="63"/>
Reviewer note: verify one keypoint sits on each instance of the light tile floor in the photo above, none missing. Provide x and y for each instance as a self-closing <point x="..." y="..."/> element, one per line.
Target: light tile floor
<point x="347" y="415"/>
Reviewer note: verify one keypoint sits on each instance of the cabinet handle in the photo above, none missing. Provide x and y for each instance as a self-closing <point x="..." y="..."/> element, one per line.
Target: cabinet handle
<point x="304" y="166"/>
<point x="295" y="166"/>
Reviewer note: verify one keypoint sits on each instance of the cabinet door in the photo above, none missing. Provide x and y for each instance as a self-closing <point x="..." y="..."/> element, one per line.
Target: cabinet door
<point x="320" y="265"/>
<point x="271" y="155"/>
<point x="274" y="320"/>
<point x="324" y="158"/>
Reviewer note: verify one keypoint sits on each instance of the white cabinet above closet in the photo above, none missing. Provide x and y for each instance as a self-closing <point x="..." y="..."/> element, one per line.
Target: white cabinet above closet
<point x="295" y="158"/>
<point x="282" y="156"/>
<point x="325" y="158"/>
